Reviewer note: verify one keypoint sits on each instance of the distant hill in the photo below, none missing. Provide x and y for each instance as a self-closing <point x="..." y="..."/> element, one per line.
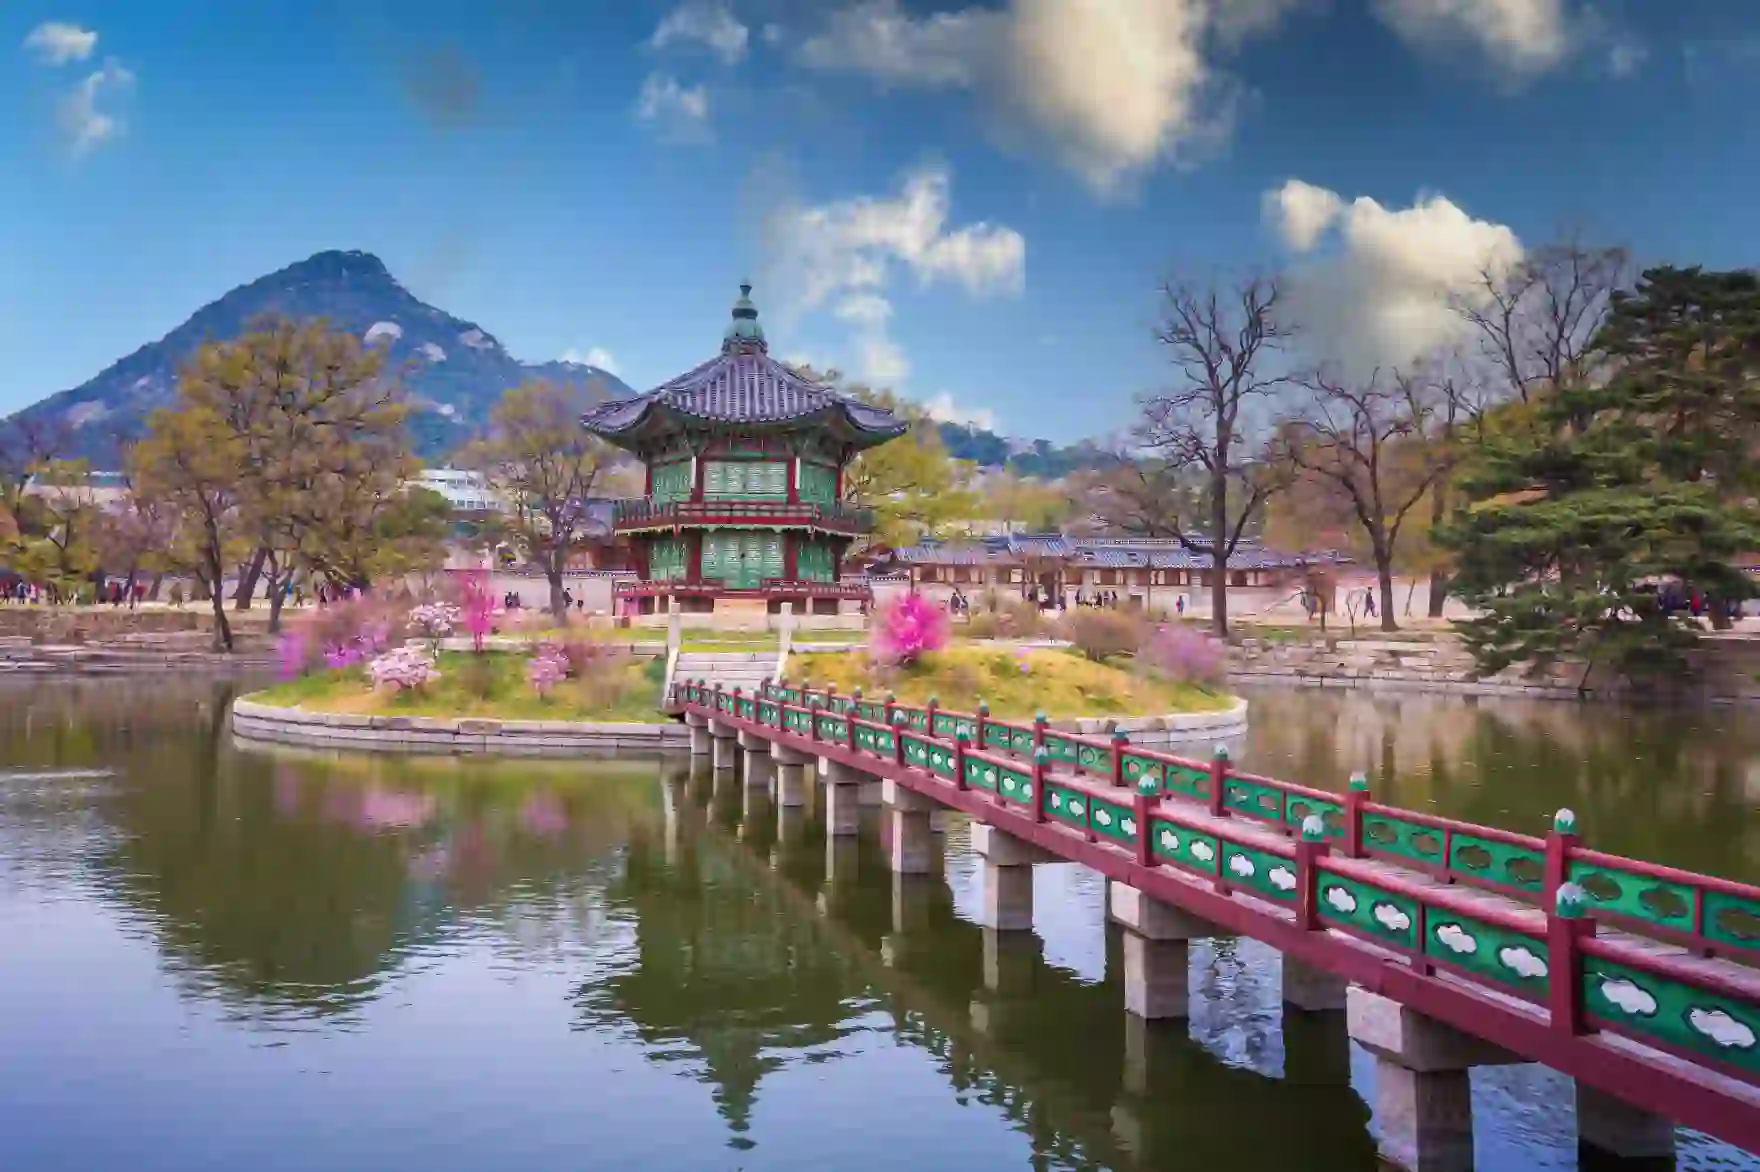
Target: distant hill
<point x="455" y="370"/>
<point x="1037" y="458"/>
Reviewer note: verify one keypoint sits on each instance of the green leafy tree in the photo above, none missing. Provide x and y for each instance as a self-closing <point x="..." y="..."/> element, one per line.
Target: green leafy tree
<point x="914" y="487"/>
<point x="1586" y="498"/>
<point x="546" y="468"/>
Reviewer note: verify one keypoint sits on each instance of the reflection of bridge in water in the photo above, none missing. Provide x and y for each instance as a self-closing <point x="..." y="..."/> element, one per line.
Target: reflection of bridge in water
<point x="1085" y="1083"/>
<point x="1450" y="945"/>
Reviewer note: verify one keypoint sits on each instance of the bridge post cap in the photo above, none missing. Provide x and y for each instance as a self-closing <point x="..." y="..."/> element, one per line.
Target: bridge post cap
<point x="1148" y="787"/>
<point x="1360" y="781"/>
<point x="962" y="737"/>
<point x="898" y="719"/>
<point x="1571" y="901"/>
<point x="1039" y="718"/>
<point x="856" y="692"/>
<point x="983" y="708"/>
<point x="1220" y="752"/>
<point x="932" y="702"/>
<point x="1565" y="821"/>
<point x="1120" y="737"/>
<point x="1313" y="828"/>
<point x="1041" y="754"/>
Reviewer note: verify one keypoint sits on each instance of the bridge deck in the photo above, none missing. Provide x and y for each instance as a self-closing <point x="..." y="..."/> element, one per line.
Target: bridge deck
<point x="1634" y="978"/>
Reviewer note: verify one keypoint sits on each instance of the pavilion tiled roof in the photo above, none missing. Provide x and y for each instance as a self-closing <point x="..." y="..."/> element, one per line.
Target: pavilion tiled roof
<point x="743" y="384"/>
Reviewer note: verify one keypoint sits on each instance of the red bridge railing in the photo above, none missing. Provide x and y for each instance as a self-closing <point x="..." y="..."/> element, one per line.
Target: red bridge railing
<point x="1324" y="858"/>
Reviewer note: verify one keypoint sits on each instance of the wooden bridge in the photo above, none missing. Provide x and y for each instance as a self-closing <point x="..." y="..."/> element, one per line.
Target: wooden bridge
<point x="1449" y="945"/>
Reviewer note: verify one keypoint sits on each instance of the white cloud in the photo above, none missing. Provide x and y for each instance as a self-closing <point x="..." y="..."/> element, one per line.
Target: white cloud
<point x="1382" y="293"/>
<point x="706" y="24"/>
<point x="943" y="409"/>
<point x="668" y="106"/>
<point x="1112" y="87"/>
<point x="1522" y="38"/>
<point x="1301" y="212"/>
<point x="84" y="125"/>
<point x="596" y="356"/>
<point x="844" y="254"/>
<point x="56" y="42"/>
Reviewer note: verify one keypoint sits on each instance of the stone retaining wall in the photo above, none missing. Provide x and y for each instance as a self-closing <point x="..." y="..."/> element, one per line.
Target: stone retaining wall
<point x="1723" y="668"/>
<point x="18" y="655"/>
<point x="254" y="721"/>
<point x="1153" y="730"/>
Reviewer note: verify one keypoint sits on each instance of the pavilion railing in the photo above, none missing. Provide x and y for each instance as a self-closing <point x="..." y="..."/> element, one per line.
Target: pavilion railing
<point x="731" y="510"/>
<point x="1171" y="811"/>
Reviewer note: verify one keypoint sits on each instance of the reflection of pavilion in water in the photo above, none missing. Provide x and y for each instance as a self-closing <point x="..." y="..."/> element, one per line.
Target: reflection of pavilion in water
<point x="722" y="974"/>
<point x="758" y="948"/>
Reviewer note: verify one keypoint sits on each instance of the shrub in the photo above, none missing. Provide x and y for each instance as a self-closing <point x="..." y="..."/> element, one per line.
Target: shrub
<point x="404" y="669"/>
<point x="547" y="667"/>
<point x="434" y="620"/>
<point x="905" y="630"/>
<point x="1100" y="633"/>
<point x="339" y="635"/>
<point x="1183" y="655"/>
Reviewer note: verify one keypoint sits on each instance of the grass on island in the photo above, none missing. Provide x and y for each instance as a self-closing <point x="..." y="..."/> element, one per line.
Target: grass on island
<point x="629" y="700"/>
<point x="1057" y="682"/>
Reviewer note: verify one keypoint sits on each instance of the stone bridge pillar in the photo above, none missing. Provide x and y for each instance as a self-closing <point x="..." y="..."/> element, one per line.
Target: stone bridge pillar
<point x="1157" y="952"/>
<point x="910" y="844"/>
<point x="843" y="799"/>
<point x="756" y="765"/>
<point x="1008" y="878"/>
<point x="1423" y="1101"/>
<point x="725" y="748"/>
<point x="699" y="726"/>
<point x="793" y="783"/>
<point x="1615" y="1127"/>
<point x="913" y="899"/>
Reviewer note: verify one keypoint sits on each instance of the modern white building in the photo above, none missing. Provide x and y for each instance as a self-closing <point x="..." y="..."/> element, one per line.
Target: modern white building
<point x="464" y="490"/>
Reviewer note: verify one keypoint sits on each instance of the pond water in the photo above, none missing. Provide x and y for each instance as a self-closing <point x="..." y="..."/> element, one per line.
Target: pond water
<point x="225" y="958"/>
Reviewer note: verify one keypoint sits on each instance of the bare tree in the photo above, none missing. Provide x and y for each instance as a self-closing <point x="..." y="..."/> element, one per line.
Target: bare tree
<point x="1533" y="324"/>
<point x="1370" y="442"/>
<point x="1207" y="429"/>
<point x="1530" y="329"/>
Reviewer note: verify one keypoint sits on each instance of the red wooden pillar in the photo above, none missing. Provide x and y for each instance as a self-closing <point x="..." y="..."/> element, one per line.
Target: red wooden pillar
<point x="1144" y="803"/>
<point x="1040" y="757"/>
<point x="1566" y="928"/>
<point x="959" y="760"/>
<point x="929" y="716"/>
<point x="896" y="720"/>
<point x="978" y="724"/>
<point x="1218" y="779"/>
<point x="790" y="552"/>
<point x="1119" y="741"/>
<point x="886" y="712"/>
<point x="697" y="463"/>
<point x="1310" y="848"/>
<point x="794" y="488"/>
<point x="1354" y="798"/>
<point x="1038" y="732"/>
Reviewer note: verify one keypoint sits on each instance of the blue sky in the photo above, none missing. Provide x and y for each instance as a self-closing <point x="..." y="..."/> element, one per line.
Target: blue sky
<point x="973" y="202"/>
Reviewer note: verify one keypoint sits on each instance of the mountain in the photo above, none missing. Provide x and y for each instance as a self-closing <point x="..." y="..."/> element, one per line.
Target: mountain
<point x="455" y="370"/>
<point x="1036" y="458"/>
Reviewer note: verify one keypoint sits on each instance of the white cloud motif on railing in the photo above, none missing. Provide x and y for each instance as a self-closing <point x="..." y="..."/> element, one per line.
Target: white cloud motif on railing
<point x="1169" y="840"/>
<point x="1391" y="918"/>
<point x="1056" y="801"/>
<point x="1341" y="900"/>
<point x="1203" y="851"/>
<point x="1628" y="997"/>
<point x="1282" y="878"/>
<point x="1129" y="826"/>
<point x="1241" y="865"/>
<point x="1521" y="962"/>
<point x="1721" y="1028"/>
<point x="1457" y="938"/>
<point x="1102" y="818"/>
<point x="1076" y="807"/>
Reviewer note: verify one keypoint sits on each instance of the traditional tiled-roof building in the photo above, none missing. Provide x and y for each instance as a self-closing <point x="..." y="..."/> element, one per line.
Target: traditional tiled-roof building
<point x="1131" y="567"/>
<point x="744" y="485"/>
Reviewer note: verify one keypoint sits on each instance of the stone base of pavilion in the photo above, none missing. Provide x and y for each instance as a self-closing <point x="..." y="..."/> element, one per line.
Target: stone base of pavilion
<point x="256" y="722"/>
<point x="826" y="606"/>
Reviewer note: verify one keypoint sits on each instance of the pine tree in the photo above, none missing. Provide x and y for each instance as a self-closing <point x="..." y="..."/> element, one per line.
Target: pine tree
<point x="1583" y="503"/>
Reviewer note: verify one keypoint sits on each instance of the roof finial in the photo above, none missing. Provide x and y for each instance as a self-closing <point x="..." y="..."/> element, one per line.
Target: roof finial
<point x="744" y="333"/>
